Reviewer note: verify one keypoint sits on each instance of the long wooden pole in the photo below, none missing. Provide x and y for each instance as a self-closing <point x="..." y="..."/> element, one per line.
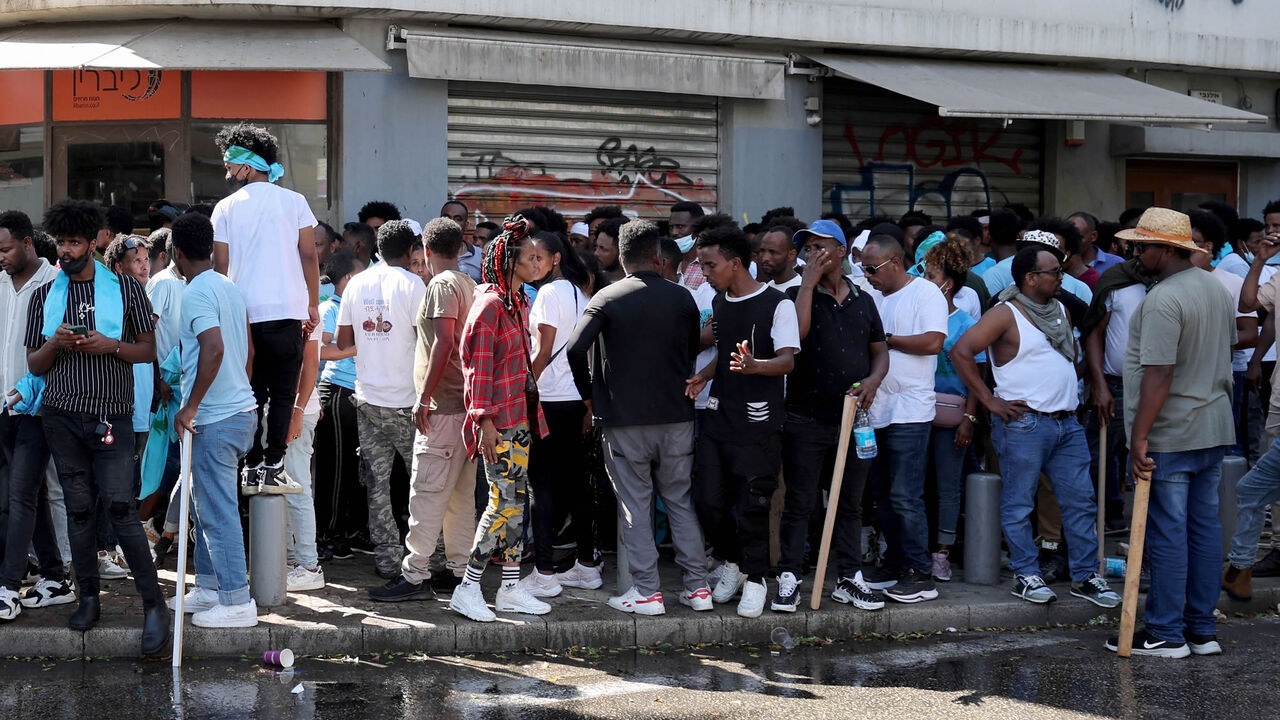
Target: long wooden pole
<point x="833" y="499"/>
<point x="184" y="504"/>
<point x="1133" y="566"/>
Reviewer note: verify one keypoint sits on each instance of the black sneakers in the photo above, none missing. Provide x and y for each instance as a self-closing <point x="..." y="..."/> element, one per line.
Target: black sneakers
<point x="1144" y="644"/>
<point x="879" y="578"/>
<point x="400" y="590"/>
<point x="1202" y="644"/>
<point x="444" y="581"/>
<point x="249" y="479"/>
<point x="912" y="587"/>
<point x="854" y="591"/>
<point x="786" y="598"/>
<point x="359" y="542"/>
<point x="273" y="480"/>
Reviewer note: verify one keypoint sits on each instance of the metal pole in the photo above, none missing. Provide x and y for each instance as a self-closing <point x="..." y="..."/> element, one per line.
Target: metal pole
<point x="1101" y="496"/>
<point x="1233" y="469"/>
<point x="267" y="550"/>
<point x="184" y="502"/>
<point x="982" y="529"/>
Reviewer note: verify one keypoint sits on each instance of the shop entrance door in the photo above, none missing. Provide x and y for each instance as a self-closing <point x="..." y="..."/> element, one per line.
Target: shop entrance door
<point x="1179" y="184"/>
<point x="125" y="165"/>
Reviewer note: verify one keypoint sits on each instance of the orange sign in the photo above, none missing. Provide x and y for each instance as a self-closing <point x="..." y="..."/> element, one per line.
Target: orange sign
<point x="23" y="93"/>
<point x="259" y="94"/>
<point x="116" y="94"/>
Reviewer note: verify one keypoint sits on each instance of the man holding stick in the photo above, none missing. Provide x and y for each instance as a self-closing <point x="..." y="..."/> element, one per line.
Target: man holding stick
<point x="1180" y="424"/>
<point x="842" y="351"/>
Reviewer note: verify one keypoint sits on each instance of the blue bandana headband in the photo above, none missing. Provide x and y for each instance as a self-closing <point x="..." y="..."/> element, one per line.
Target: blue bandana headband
<point x="244" y="156"/>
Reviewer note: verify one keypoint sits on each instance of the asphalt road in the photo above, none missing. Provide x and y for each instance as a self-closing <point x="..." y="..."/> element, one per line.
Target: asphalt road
<point x="1061" y="673"/>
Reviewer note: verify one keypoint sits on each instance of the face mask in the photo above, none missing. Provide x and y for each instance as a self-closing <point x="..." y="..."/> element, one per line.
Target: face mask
<point x="1248" y="257"/>
<point x="73" y="267"/>
<point x="234" y="184"/>
<point x="685" y="243"/>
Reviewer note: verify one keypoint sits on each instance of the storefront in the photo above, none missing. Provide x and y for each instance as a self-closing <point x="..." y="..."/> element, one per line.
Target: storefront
<point x="137" y="120"/>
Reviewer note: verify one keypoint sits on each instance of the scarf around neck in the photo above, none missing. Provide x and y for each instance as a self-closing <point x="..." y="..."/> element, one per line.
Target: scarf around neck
<point x="1049" y="318"/>
<point x="108" y="311"/>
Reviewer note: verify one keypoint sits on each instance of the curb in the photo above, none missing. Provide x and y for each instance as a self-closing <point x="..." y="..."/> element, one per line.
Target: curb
<point x="449" y="634"/>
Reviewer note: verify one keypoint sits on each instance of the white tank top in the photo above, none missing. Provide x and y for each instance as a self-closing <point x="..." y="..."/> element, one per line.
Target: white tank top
<point x="1038" y="375"/>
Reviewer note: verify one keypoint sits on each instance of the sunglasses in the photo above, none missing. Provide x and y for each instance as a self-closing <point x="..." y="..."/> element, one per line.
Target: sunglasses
<point x="1056" y="272"/>
<point x="872" y="270"/>
<point x="135" y="241"/>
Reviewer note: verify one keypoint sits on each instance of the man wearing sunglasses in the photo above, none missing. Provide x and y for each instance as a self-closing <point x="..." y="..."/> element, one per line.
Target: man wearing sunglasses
<point x="1034" y="426"/>
<point x="914" y="315"/>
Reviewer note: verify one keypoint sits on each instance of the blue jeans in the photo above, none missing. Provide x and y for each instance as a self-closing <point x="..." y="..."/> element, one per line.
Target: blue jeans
<point x="1242" y="426"/>
<point x="301" y="537"/>
<point x="1256" y="490"/>
<point x="948" y="469"/>
<point x="899" y="494"/>
<point x="1038" y="444"/>
<point x="1184" y="543"/>
<point x="216" y="450"/>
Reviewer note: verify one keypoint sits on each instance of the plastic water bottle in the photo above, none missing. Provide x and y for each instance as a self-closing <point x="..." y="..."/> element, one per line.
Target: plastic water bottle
<point x="780" y="636"/>
<point x="864" y="437"/>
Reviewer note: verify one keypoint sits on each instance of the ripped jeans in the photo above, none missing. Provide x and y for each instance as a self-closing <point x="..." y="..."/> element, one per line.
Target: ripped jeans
<point x="90" y="469"/>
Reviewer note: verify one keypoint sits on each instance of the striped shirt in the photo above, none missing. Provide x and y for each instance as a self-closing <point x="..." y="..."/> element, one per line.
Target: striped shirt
<point x="83" y="383"/>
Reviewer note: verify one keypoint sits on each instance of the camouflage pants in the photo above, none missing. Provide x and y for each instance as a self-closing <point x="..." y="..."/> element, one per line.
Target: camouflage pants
<point x="384" y="433"/>
<point x="502" y="525"/>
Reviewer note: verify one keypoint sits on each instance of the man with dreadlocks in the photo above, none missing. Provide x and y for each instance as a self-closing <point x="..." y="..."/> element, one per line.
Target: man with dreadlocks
<point x="502" y="407"/>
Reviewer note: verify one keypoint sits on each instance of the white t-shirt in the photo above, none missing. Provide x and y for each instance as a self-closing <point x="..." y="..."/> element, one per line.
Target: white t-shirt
<point x="1122" y="304"/>
<point x="703" y="297"/>
<point x="906" y="395"/>
<point x="1234" y="283"/>
<point x="967" y="300"/>
<point x="785" y="332"/>
<point x="259" y="224"/>
<point x="381" y="304"/>
<point x="560" y="305"/>
<point x="793" y="282"/>
<point x="313" y="402"/>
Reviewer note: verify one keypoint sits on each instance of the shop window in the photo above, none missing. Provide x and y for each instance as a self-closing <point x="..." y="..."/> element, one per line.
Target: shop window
<point x="128" y="174"/>
<point x="303" y="152"/>
<point x="22" y="170"/>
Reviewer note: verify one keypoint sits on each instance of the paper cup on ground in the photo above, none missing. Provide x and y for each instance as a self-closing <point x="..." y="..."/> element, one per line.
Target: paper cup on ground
<point x="278" y="658"/>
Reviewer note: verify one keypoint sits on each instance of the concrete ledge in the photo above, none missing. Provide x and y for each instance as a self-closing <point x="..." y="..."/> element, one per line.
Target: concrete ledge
<point x="341" y="621"/>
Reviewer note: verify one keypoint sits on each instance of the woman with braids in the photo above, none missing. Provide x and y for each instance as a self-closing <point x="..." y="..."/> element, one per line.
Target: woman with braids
<point x="946" y="264"/>
<point x="500" y="393"/>
<point x="557" y="465"/>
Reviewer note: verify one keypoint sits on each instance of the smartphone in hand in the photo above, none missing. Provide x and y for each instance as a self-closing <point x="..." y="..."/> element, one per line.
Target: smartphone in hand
<point x="80" y="330"/>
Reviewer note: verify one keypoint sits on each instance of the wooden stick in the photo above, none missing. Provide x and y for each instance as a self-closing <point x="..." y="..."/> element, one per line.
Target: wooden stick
<point x="184" y="504"/>
<point x="1133" y="566"/>
<point x="1102" y="493"/>
<point x="833" y="499"/>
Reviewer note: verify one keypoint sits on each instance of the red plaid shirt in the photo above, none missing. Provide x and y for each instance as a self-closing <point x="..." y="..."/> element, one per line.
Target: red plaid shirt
<point x="495" y="363"/>
<point x="692" y="276"/>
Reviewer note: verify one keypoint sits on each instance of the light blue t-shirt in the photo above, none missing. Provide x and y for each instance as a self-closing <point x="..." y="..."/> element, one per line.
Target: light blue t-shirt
<point x="945" y="378"/>
<point x="338" y="372"/>
<point x="986" y="264"/>
<point x="144" y="391"/>
<point x="211" y="300"/>
<point x="1000" y="276"/>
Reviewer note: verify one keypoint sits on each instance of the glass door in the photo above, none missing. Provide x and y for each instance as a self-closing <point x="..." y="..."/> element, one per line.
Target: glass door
<point x="126" y="165"/>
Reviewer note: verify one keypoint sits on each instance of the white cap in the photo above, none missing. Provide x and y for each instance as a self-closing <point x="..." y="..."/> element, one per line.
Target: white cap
<point x="580" y="228"/>
<point x="414" y="226"/>
<point x="860" y="242"/>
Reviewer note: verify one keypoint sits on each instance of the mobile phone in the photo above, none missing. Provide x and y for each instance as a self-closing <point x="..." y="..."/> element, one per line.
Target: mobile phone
<point x="79" y="330"/>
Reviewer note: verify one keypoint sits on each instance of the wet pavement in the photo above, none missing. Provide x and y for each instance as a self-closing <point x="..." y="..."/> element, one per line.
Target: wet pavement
<point x="1054" y="673"/>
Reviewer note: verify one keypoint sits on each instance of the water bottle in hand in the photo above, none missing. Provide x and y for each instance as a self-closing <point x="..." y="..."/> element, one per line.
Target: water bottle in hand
<point x="864" y="437"/>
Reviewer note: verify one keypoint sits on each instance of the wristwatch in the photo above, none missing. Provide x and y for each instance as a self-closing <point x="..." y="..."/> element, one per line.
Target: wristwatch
<point x="971" y="418"/>
<point x="887" y="338"/>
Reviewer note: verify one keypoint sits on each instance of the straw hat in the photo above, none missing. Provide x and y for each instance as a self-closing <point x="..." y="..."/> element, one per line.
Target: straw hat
<point x="1164" y="227"/>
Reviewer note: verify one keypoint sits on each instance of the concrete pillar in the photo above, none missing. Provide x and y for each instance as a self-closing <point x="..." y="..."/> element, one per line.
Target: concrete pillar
<point x="982" y="529"/>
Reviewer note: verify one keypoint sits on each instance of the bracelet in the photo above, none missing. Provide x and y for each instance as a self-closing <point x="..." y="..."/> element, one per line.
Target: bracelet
<point x="299" y="409"/>
<point x="118" y="344"/>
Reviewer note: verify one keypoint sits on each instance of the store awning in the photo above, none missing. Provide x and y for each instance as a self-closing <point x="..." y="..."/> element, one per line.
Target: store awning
<point x="991" y="90"/>
<point x="185" y="45"/>
<point x="565" y="62"/>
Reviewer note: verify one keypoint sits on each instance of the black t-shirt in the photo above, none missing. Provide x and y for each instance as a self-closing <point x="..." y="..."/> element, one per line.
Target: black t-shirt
<point x="744" y="408"/>
<point x="78" y="382"/>
<point x="835" y="354"/>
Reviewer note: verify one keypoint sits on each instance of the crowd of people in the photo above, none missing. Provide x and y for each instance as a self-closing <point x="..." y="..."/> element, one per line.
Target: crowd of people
<point x="441" y="397"/>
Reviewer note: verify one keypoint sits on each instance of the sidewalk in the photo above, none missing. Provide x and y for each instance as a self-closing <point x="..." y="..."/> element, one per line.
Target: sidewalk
<point x="342" y="620"/>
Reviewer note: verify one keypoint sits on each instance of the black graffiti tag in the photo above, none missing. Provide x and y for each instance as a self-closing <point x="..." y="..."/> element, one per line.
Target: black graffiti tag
<point x="492" y="162"/>
<point x="656" y="169"/>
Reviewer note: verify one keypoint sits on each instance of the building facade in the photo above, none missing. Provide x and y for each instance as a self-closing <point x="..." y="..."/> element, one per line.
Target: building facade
<point x="741" y="105"/>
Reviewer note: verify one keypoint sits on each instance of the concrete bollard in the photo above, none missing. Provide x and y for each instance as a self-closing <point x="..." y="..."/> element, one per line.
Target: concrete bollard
<point x="267" y="550"/>
<point x="982" y="529"/>
<point x="1233" y="468"/>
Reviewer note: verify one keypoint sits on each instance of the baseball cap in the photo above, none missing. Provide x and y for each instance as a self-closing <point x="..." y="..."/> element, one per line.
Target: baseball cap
<point x="821" y="228"/>
<point x="580" y="228"/>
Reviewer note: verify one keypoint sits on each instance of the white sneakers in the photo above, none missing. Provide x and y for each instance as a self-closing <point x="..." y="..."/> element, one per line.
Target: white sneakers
<point x="633" y="602"/>
<point x="699" y="600"/>
<point x="581" y="576"/>
<point x="518" y="600"/>
<point x="467" y="600"/>
<point x="751" y="604"/>
<point x="10" y="608"/>
<point x="244" y="615"/>
<point x="731" y="580"/>
<point x="540" y="586"/>
<point x="110" y="568"/>
<point x="301" y="579"/>
<point x="48" y="592"/>
<point x="196" y="600"/>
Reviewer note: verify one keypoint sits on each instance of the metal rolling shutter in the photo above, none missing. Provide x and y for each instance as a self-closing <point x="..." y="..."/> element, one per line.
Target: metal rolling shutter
<point x="512" y="146"/>
<point x="883" y="153"/>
